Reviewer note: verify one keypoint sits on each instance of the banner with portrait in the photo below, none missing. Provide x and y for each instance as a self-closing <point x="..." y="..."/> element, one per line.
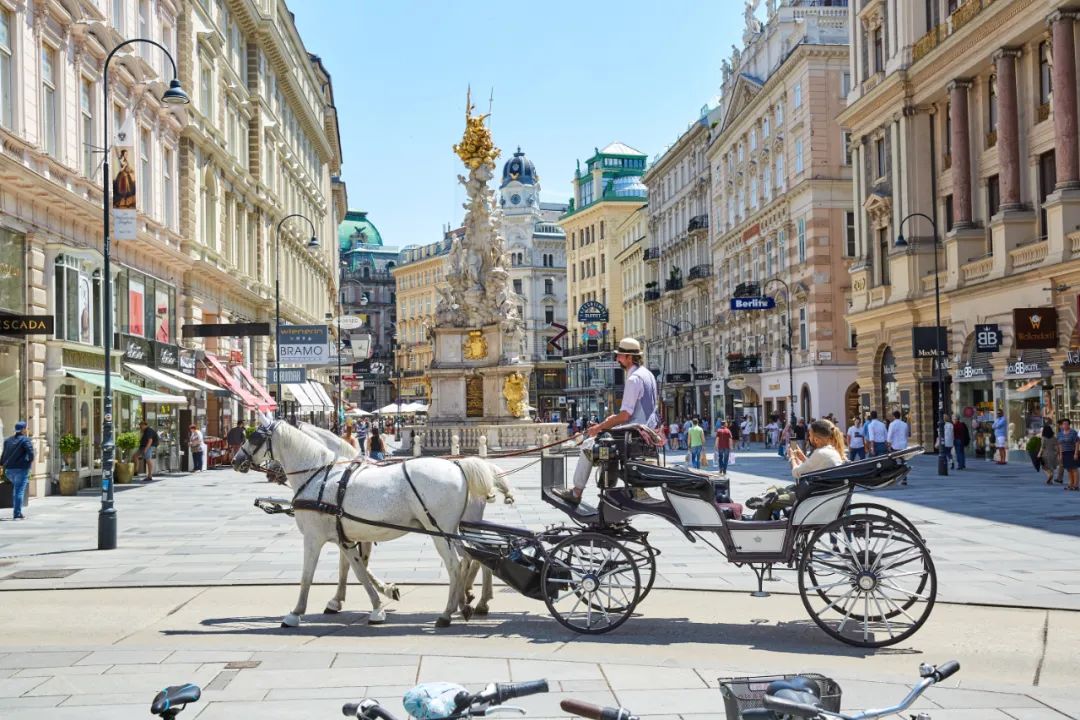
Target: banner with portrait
<point x="123" y="184"/>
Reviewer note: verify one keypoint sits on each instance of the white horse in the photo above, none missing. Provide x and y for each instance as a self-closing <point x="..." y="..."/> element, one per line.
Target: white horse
<point x="434" y="501"/>
<point x="474" y="513"/>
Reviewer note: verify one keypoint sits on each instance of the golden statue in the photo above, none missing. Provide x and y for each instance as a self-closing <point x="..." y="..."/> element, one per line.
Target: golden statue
<point x="475" y="346"/>
<point x="516" y="394"/>
<point x="426" y="381"/>
<point x="476" y="147"/>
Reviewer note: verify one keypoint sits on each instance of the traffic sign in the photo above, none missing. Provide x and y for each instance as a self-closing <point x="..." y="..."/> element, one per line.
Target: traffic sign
<point x="753" y="303"/>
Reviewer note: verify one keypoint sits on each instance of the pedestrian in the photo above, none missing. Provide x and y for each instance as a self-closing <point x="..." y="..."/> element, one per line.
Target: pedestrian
<point x="772" y="433"/>
<point x="1049" y="452"/>
<point x="376" y="448"/>
<point x="962" y="437"/>
<point x="800" y="434"/>
<point x="949" y="439"/>
<point x="876" y="433"/>
<point x="723" y="447"/>
<point x="1068" y="448"/>
<point x="696" y="440"/>
<point x="786" y="436"/>
<point x="15" y="463"/>
<point x="856" y="442"/>
<point x="1001" y="438"/>
<point x="235" y="438"/>
<point x="349" y="437"/>
<point x="673" y="434"/>
<point x="736" y="437"/>
<point x="683" y="430"/>
<point x="148" y="443"/>
<point x="197" y="445"/>
<point x="866" y="435"/>
<point x="745" y="429"/>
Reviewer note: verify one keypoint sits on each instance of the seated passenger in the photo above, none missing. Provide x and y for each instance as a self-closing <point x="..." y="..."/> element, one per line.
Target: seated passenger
<point x="828" y="450"/>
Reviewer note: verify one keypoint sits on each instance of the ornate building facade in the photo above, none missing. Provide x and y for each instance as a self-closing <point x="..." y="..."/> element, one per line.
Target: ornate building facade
<point x="420" y="272"/>
<point x="967" y="114"/>
<point x="781" y="215"/>
<point x="258" y="141"/>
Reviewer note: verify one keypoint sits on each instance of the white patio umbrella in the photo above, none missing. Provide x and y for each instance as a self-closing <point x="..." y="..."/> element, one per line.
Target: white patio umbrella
<point x="414" y="407"/>
<point x="391" y="409"/>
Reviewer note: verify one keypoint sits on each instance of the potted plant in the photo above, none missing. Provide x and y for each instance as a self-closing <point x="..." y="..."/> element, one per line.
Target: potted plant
<point x="124" y="468"/>
<point x="69" y="476"/>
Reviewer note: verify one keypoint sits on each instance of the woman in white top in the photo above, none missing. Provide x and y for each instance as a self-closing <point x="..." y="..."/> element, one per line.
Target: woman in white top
<point x="828" y="449"/>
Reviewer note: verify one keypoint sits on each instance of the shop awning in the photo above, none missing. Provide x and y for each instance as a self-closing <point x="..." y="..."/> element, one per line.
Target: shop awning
<point x="221" y="375"/>
<point x="160" y="378"/>
<point x="121" y="385"/>
<point x="302" y="395"/>
<point x="320" y="393"/>
<point x="189" y="380"/>
<point x="268" y="402"/>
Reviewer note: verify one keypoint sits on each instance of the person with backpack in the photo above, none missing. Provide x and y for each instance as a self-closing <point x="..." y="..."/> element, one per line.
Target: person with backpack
<point x="15" y="463"/>
<point x="962" y="438"/>
<point x="148" y="443"/>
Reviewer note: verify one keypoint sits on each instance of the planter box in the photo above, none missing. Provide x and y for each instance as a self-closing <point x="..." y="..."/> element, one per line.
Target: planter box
<point x="69" y="482"/>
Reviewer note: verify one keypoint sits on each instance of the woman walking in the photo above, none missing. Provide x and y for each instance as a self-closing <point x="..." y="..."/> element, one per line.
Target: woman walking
<point x="950" y="439"/>
<point x="376" y="449"/>
<point x="1049" y="452"/>
<point x="198" y="448"/>
<point x="1067" y="453"/>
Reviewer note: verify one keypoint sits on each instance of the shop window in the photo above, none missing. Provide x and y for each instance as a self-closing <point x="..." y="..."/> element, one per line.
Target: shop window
<point x="75" y="295"/>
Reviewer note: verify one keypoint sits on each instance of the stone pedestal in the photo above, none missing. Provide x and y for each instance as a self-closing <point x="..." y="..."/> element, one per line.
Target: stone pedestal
<point x="962" y="245"/>
<point x="1010" y="229"/>
<point x="1062" y="220"/>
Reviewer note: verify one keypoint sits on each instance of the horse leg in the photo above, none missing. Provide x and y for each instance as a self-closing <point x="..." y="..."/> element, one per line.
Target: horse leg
<point x="336" y="603"/>
<point x="454" y="572"/>
<point x="378" y="614"/>
<point x="486" y="593"/>
<point x="312" y="547"/>
<point x="388" y="590"/>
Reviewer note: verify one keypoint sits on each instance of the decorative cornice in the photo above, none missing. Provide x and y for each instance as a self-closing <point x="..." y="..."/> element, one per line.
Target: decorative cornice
<point x="1006" y="52"/>
<point x="959" y="83"/>
<point x="1062" y="14"/>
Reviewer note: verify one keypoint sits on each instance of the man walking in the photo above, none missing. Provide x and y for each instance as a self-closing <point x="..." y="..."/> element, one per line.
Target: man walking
<point x="963" y="439"/>
<point x="745" y="429"/>
<point x="695" y="436"/>
<point x="148" y="443"/>
<point x="877" y="433"/>
<point x="723" y="447"/>
<point x="856" y="442"/>
<point x="15" y="462"/>
<point x="235" y="438"/>
<point x="639" y="406"/>
<point x="897" y="437"/>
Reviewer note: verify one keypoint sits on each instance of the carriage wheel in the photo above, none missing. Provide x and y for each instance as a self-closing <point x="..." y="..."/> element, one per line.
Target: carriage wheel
<point x="591" y="583"/>
<point x="646" y="565"/>
<point x="869" y="508"/>
<point x="867" y="580"/>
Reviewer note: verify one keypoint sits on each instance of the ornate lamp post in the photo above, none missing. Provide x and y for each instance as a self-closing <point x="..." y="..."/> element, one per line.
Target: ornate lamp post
<point x="313" y="244"/>
<point x="943" y="463"/>
<point x="175" y="95"/>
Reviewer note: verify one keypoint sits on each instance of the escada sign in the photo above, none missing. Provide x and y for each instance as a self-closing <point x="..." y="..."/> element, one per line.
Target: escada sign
<point x="23" y="325"/>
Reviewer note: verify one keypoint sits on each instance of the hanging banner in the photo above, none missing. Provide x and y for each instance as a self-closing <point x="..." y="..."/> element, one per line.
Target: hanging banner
<point x="987" y="338"/>
<point x="925" y="342"/>
<point x="1035" y="328"/>
<point x="123" y="183"/>
<point x="303" y="344"/>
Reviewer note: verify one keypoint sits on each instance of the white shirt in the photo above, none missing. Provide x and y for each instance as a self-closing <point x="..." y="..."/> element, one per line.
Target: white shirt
<point x="898" y="434"/>
<point x="876" y="430"/>
<point x="822" y="458"/>
<point x="855" y="438"/>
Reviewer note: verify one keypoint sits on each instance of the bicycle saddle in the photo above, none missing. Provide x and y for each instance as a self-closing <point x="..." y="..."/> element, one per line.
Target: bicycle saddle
<point x="165" y="702"/>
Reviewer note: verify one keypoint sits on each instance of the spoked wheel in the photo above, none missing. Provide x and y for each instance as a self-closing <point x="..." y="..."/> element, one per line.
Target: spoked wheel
<point x="867" y="580"/>
<point x="869" y="508"/>
<point x="644" y="556"/>
<point x="591" y="583"/>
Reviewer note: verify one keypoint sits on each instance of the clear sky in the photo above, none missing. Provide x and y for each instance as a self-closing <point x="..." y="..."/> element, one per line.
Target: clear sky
<point x="568" y="76"/>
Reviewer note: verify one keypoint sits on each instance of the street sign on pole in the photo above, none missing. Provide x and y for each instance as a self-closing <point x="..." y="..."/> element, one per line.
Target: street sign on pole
<point x="753" y="303"/>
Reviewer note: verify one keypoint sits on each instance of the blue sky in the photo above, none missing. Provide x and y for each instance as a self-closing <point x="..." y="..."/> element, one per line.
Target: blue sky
<point x="567" y="76"/>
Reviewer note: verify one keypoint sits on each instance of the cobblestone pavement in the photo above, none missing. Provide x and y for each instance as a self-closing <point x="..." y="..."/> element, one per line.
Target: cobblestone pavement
<point x="998" y="535"/>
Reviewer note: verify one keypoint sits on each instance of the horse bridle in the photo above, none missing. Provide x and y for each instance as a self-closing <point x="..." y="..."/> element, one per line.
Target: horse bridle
<point x="263" y="435"/>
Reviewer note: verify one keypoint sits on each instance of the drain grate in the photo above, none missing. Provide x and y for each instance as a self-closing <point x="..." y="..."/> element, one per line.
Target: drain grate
<point x="50" y="574"/>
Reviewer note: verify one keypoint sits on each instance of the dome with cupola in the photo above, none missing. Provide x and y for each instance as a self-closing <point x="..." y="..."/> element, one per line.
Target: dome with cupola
<point x="356" y="232"/>
<point x="519" y="169"/>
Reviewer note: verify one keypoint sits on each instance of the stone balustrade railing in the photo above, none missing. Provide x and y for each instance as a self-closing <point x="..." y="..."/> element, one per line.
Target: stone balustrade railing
<point x="1032" y="254"/>
<point x="439" y="439"/>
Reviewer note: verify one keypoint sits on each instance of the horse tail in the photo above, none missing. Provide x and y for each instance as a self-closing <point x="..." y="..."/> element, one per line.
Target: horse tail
<point x="504" y="487"/>
<point x="480" y="477"/>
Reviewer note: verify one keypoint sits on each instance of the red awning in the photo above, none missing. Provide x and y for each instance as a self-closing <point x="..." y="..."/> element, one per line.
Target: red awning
<point x="267" y="401"/>
<point x="221" y="375"/>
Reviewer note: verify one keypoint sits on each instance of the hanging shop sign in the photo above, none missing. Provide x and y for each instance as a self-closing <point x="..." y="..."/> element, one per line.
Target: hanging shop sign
<point x="134" y="349"/>
<point x="256" y="329"/>
<point x="987" y="338"/>
<point x="678" y="377"/>
<point x="303" y="344"/>
<point x="928" y="342"/>
<point x="187" y="362"/>
<point x="166" y="356"/>
<point x="753" y="303"/>
<point x="22" y="325"/>
<point x="1035" y="328"/>
<point x="703" y="376"/>
<point x="592" y="311"/>
<point x="287" y="376"/>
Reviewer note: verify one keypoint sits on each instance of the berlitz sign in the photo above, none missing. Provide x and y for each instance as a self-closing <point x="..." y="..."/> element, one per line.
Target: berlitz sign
<point x="753" y="303"/>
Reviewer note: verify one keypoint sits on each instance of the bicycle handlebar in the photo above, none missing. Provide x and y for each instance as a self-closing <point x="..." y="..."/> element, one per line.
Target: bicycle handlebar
<point x="366" y="709"/>
<point x="595" y="712"/>
<point x="509" y="691"/>
<point x="945" y="670"/>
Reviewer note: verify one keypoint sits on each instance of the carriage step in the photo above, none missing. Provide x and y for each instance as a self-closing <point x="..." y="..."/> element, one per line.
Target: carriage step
<point x="273" y="506"/>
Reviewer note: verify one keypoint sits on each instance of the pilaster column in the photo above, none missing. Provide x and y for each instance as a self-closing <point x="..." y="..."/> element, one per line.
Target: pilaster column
<point x="1008" y="137"/>
<point x="1067" y="157"/>
<point x="961" y="153"/>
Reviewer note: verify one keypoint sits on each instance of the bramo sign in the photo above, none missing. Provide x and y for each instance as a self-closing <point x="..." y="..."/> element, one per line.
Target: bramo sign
<point x="303" y="344"/>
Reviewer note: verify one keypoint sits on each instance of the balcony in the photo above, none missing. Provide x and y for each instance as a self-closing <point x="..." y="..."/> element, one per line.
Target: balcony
<point x="698" y="223"/>
<point x="652" y="295"/>
<point x="961" y="16"/>
<point x="673" y="284"/>
<point x="744" y="365"/>
<point x="652" y="253"/>
<point x="700" y="272"/>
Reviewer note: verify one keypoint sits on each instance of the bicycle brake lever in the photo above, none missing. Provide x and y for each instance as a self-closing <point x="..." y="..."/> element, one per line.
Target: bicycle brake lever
<point x="504" y="708"/>
<point x="926" y="670"/>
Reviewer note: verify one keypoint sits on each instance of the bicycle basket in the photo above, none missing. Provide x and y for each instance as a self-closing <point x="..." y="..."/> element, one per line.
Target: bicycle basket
<point x="745" y="693"/>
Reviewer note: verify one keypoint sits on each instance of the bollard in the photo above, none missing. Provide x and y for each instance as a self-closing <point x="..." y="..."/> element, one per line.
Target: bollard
<point x="416" y="445"/>
<point x="482" y="442"/>
<point x="455" y="444"/>
<point x="544" y="440"/>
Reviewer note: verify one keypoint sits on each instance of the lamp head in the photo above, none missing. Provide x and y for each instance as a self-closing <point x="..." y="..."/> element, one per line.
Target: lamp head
<point x="313" y="243"/>
<point x="900" y="241"/>
<point x="175" y="95"/>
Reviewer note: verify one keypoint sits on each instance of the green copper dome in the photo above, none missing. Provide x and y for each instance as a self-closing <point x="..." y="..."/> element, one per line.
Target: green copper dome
<point x="357" y="232"/>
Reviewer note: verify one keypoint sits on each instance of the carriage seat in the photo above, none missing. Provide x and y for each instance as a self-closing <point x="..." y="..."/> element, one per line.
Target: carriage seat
<point x="646" y="475"/>
<point x="872" y="472"/>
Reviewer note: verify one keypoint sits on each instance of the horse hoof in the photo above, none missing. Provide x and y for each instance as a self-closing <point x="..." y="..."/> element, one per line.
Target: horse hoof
<point x="481" y="610"/>
<point x="333" y="607"/>
<point x="377" y="617"/>
<point x="467" y="612"/>
<point x="330" y="611"/>
<point x="442" y="622"/>
<point x="395" y="593"/>
<point x="469" y="597"/>
<point x="291" y="620"/>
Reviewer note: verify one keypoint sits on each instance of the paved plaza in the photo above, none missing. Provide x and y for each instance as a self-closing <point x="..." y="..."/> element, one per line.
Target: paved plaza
<point x="196" y="590"/>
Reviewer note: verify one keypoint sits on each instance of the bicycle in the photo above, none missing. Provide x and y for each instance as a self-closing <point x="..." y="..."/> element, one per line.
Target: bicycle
<point x="596" y="712"/>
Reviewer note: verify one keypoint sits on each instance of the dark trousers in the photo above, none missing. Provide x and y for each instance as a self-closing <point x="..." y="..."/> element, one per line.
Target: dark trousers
<point x="196" y="461"/>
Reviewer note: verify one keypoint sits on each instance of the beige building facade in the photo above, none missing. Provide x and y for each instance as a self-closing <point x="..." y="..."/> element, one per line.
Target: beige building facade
<point x="780" y="183"/>
<point x="637" y="276"/>
<point x="967" y="114"/>
<point x="420" y="272"/>
<point x="212" y="179"/>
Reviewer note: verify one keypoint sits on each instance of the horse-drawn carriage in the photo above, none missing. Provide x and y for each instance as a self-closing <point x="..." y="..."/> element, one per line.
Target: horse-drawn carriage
<point x="864" y="573"/>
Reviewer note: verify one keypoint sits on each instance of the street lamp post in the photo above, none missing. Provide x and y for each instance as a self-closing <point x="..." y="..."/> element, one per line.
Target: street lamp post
<point x="790" y="348"/>
<point x="175" y="95"/>
<point x="313" y="244"/>
<point x="939" y="350"/>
